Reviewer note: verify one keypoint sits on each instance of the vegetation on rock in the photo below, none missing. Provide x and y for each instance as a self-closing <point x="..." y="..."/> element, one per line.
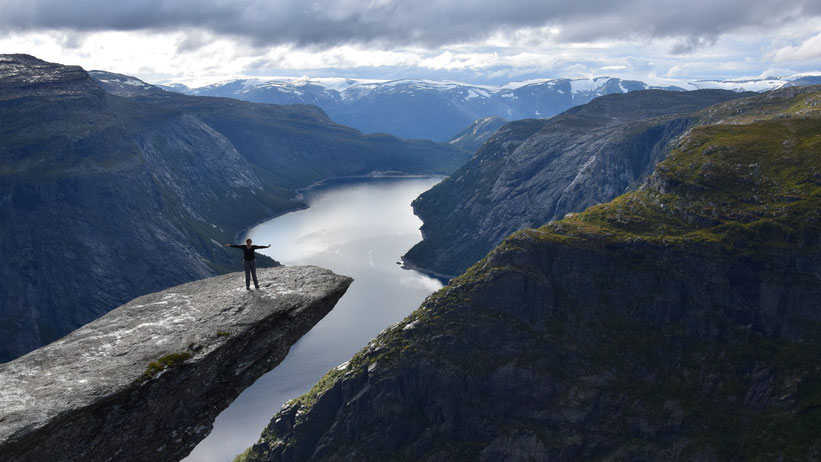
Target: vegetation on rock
<point x="164" y="362"/>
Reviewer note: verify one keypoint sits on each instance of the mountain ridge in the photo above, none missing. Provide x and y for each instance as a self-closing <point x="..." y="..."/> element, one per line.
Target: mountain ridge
<point x="473" y="136"/>
<point x="425" y="109"/>
<point x="533" y="171"/>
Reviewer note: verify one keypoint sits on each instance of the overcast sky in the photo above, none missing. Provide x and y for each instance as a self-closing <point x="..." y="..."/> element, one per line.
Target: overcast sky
<point x="480" y="41"/>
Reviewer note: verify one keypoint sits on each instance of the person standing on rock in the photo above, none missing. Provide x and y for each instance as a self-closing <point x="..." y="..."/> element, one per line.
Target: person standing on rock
<point x="250" y="261"/>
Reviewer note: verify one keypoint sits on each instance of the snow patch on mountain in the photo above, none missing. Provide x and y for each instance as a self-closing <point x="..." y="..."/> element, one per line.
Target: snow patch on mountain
<point x="342" y="85"/>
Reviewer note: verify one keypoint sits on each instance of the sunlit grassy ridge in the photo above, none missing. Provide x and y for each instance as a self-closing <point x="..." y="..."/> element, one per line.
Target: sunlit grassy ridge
<point x="737" y="185"/>
<point x="754" y="177"/>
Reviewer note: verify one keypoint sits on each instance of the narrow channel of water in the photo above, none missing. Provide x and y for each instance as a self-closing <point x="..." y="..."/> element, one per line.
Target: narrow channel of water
<point x="358" y="228"/>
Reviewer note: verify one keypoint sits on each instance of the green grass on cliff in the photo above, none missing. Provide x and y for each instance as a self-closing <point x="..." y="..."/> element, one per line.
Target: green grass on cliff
<point x="164" y="362"/>
<point x="738" y="186"/>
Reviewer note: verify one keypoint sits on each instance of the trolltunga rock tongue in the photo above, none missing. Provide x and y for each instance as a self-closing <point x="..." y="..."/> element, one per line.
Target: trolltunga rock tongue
<point x="147" y="379"/>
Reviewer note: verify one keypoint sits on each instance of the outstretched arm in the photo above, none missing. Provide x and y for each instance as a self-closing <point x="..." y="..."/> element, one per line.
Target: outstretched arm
<point x="232" y="245"/>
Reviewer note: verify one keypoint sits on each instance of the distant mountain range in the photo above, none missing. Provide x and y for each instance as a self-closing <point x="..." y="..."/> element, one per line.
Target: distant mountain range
<point x="438" y="110"/>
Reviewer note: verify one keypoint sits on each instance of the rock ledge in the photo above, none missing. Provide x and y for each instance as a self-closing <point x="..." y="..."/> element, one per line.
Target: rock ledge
<point x="146" y="380"/>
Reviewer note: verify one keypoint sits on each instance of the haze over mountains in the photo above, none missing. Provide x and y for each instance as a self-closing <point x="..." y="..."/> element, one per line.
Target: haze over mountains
<point x="627" y="212"/>
<point x="438" y="110"/>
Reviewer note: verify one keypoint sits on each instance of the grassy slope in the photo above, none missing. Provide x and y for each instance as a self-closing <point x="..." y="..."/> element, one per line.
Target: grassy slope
<point x="741" y="186"/>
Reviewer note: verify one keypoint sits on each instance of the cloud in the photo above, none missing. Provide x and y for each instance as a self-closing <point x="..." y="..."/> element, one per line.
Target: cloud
<point x="387" y="23"/>
<point x="483" y="42"/>
<point x="72" y="40"/>
<point x="192" y="40"/>
<point x="809" y="49"/>
<point x="691" y="44"/>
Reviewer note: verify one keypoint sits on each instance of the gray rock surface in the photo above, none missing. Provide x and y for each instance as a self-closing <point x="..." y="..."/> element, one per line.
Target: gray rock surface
<point x="94" y="395"/>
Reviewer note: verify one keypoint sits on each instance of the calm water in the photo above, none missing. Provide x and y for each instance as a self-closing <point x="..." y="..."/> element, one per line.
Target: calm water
<point x="358" y="228"/>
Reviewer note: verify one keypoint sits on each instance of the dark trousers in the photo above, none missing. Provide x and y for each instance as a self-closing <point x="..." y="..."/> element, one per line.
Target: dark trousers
<point x="251" y="270"/>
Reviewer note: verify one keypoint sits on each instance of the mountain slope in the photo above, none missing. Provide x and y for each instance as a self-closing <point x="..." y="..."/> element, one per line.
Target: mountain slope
<point x="104" y="198"/>
<point x="297" y="144"/>
<point x="475" y="135"/>
<point x="681" y="321"/>
<point x="530" y="172"/>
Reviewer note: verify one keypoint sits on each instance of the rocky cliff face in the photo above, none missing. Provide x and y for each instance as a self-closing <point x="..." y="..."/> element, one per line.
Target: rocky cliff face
<point x="681" y="321"/>
<point x="145" y="381"/>
<point x="533" y="171"/>
<point x="104" y="198"/>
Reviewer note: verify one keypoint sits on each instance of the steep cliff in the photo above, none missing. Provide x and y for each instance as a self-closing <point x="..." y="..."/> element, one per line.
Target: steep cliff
<point x="533" y="171"/>
<point x="681" y="321"/>
<point x="145" y="381"/>
<point x="104" y="198"/>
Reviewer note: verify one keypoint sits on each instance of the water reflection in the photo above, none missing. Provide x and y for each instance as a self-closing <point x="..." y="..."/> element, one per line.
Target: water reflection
<point x="359" y="228"/>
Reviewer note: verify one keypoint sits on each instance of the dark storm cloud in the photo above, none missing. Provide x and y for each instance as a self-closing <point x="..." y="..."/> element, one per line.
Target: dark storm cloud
<point x="690" y="44"/>
<point x="402" y="22"/>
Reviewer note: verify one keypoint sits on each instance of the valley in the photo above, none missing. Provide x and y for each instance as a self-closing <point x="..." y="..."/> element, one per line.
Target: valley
<point x="106" y="197"/>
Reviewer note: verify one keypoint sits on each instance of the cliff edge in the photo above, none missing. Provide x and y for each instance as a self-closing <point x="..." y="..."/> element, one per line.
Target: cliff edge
<point x="145" y="381"/>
